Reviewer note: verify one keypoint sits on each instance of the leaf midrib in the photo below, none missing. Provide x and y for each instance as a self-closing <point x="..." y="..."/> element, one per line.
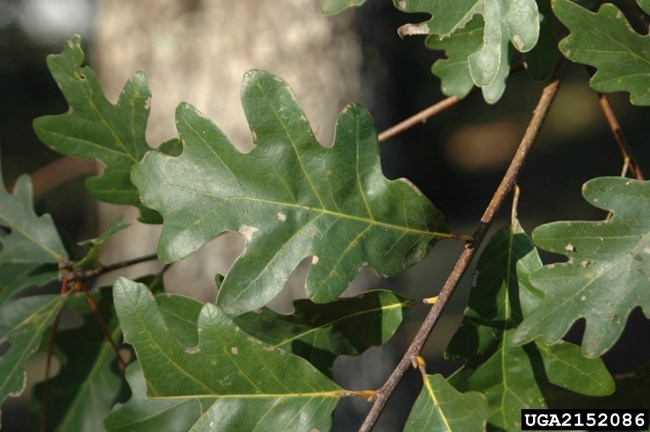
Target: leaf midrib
<point x="323" y="211"/>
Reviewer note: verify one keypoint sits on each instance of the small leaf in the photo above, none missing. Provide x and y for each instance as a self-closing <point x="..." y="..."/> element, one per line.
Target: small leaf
<point x="439" y="407"/>
<point x="321" y="332"/>
<point x="290" y="198"/>
<point x="30" y="238"/>
<point x="88" y="385"/>
<point x="244" y="383"/>
<point x="504" y="22"/>
<point x="454" y="70"/>
<point x="511" y="377"/>
<point x="90" y="260"/>
<point x="332" y="7"/>
<point x="95" y="129"/>
<point x="151" y="415"/>
<point x="22" y="324"/>
<point x="606" y="275"/>
<point x="606" y="41"/>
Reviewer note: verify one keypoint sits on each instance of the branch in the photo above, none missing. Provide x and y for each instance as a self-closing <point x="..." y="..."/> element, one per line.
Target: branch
<point x="116" y="266"/>
<point x="434" y="109"/>
<point x="420" y="117"/>
<point x="628" y="157"/>
<point x="504" y="189"/>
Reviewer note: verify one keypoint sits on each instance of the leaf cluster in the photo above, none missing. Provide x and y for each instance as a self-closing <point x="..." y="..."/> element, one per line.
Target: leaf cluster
<point x="233" y="364"/>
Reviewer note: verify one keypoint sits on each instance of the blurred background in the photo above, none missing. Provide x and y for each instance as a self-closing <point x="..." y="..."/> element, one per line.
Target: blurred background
<point x="198" y="50"/>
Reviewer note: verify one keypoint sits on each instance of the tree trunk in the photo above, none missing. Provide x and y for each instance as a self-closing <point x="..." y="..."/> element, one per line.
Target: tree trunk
<point x="198" y="51"/>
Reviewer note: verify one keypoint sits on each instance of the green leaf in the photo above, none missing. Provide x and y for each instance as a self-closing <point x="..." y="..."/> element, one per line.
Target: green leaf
<point x="244" y="383"/>
<point x="331" y="7"/>
<point x="454" y="70"/>
<point x="541" y="60"/>
<point x="151" y="415"/>
<point x="22" y="324"/>
<point x="16" y="277"/>
<point x="606" y="275"/>
<point x="96" y="244"/>
<point x="504" y="22"/>
<point x="29" y="238"/>
<point x="439" y="407"/>
<point x="631" y="391"/>
<point x="512" y="377"/>
<point x="645" y="5"/>
<point x="606" y="41"/>
<point x="88" y="385"/>
<point x="96" y="129"/>
<point x="290" y="198"/>
<point x="321" y="332"/>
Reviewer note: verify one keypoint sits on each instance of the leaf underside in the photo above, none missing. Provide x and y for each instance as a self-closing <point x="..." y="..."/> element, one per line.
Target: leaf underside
<point x="512" y="377"/>
<point x="240" y="382"/>
<point x="478" y="55"/>
<point x="607" y="272"/>
<point x="290" y="198"/>
<point x="606" y="41"/>
<point x="95" y="129"/>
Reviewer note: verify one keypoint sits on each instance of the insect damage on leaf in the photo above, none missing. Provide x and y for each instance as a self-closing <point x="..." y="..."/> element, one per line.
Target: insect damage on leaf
<point x="290" y="198"/>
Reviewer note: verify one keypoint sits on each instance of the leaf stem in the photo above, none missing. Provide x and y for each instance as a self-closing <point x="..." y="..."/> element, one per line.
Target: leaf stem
<point x="503" y="191"/>
<point x="628" y="157"/>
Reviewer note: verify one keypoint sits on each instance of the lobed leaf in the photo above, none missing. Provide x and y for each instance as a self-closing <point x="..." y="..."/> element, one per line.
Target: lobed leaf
<point x="439" y="407"/>
<point x="26" y="238"/>
<point x="89" y="384"/>
<point x="512" y="377"/>
<point x="606" y="275"/>
<point x="505" y="22"/>
<point x="321" y="332"/>
<point x="16" y="277"/>
<point x="242" y="383"/>
<point x="22" y="324"/>
<point x="151" y="415"/>
<point x="290" y="198"/>
<point x="95" y="129"/>
<point x="606" y="41"/>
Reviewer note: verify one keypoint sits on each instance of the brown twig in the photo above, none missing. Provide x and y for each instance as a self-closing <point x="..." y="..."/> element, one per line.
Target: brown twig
<point x="628" y="157"/>
<point x="48" y="363"/>
<point x="115" y="266"/>
<point x="427" y="113"/>
<point x="503" y="191"/>
<point x="102" y="325"/>
<point x="420" y="117"/>
<point x="58" y="172"/>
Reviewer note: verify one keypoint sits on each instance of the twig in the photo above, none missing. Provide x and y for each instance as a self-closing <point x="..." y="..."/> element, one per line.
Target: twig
<point x="118" y="265"/>
<point x="434" y="109"/>
<point x="420" y="117"/>
<point x="628" y="157"/>
<point x="102" y="325"/>
<point x="504" y="189"/>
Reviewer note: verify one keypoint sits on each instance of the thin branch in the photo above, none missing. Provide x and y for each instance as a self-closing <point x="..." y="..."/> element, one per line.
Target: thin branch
<point x="420" y="117"/>
<point x="628" y="157"/>
<point x="433" y="110"/>
<point x="503" y="191"/>
<point x="116" y="266"/>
